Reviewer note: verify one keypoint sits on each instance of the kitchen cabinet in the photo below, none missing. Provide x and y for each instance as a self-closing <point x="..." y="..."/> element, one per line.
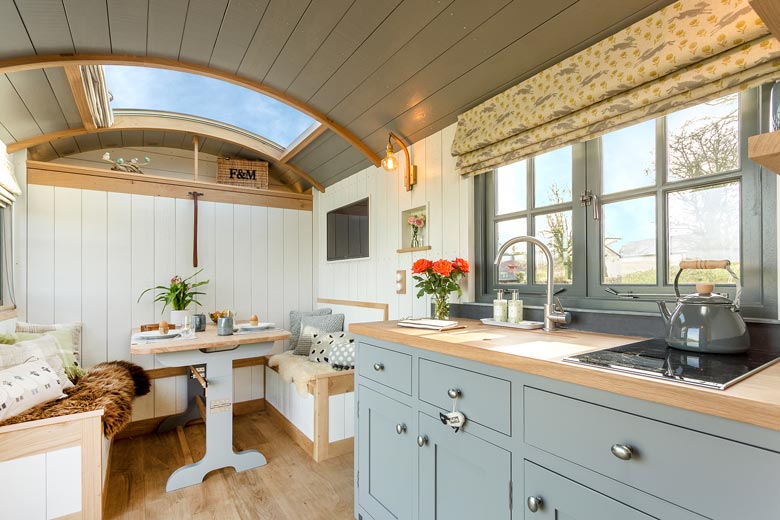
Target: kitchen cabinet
<point x="461" y="475"/>
<point x="385" y="456"/>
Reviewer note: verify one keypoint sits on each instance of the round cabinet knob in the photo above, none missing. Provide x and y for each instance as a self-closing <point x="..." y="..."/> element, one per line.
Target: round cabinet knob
<point x="422" y="440"/>
<point x="400" y="428"/>
<point x="454" y="393"/>
<point x="534" y="504"/>
<point x="379" y="367"/>
<point x="622" y="451"/>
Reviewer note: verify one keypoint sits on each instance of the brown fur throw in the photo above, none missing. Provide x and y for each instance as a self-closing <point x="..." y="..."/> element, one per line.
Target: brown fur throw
<point x="111" y="386"/>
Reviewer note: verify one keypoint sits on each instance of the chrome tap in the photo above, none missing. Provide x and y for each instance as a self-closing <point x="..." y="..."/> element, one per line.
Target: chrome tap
<point x="551" y="314"/>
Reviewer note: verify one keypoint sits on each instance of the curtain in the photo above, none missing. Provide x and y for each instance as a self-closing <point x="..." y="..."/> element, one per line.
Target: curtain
<point x="688" y="53"/>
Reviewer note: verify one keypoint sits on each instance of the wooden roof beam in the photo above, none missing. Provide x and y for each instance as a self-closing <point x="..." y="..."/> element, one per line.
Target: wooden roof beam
<point x="76" y="84"/>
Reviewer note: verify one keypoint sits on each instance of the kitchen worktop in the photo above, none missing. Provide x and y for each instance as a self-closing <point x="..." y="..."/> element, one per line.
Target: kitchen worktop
<point x="756" y="400"/>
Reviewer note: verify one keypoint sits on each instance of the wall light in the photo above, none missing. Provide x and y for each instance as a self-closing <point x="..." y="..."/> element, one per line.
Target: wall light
<point x="390" y="163"/>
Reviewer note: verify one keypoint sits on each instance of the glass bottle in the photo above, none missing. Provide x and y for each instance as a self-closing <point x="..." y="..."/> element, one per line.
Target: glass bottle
<point x="515" y="312"/>
<point x="500" y="307"/>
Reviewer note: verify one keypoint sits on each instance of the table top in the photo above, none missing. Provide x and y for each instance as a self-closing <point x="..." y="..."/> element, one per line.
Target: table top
<point x="207" y="339"/>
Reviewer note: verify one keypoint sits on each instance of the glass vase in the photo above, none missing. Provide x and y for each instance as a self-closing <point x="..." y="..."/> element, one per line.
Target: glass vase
<point x="441" y="306"/>
<point x="415" y="237"/>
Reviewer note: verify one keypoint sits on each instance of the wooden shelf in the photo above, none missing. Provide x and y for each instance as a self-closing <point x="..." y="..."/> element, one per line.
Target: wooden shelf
<point x="412" y="249"/>
<point x="764" y="149"/>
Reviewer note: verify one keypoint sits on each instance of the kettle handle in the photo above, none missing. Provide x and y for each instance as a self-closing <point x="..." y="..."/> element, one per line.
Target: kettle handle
<point x="709" y="264"/>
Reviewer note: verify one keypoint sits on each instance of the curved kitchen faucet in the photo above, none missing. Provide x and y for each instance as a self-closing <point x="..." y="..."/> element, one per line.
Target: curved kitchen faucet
<point x="551" y="315"/>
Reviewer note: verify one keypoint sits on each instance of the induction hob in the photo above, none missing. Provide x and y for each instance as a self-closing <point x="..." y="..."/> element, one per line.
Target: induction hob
<point x="653" y="358"/>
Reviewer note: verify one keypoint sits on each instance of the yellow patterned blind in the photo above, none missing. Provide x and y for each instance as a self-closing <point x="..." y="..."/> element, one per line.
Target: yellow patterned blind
<point x="687" y="53"/>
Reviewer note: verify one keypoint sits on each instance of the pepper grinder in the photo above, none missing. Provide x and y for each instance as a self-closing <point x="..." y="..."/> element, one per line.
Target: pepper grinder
<point x="500" y="307"/>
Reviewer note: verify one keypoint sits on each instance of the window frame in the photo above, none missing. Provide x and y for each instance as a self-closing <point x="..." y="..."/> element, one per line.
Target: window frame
<point x="757" y="219"/>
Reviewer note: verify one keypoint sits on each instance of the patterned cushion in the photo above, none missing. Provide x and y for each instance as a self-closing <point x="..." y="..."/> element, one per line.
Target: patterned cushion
<point x="308" y="334"/>
<point x="26" y="385"/>
<point x="323" y="343"/>
<point x="64" y="340"/>
<point x="342" y="354"/>
<point x="295" y="323"/>
<point x="44" y="348"/>
<point x="318" y="325"/>
<point x="74" y="328"/>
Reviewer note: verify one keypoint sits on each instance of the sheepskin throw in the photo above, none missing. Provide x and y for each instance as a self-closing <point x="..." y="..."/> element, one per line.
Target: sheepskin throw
<point x="111" y="386"/>
<point x="297" y="369"/>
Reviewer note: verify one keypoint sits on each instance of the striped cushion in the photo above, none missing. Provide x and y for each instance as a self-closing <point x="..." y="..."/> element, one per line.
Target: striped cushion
<point x="74" y="328"/>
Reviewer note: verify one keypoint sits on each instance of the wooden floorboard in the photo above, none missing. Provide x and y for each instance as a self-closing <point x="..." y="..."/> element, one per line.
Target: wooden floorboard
<point x="290" y="486"/>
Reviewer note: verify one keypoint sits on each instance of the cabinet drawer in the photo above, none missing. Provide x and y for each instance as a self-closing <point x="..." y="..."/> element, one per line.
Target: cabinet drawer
<point x="484" y="399"/>
<point x="385" y="366"/>
<point x="694" y="470"/>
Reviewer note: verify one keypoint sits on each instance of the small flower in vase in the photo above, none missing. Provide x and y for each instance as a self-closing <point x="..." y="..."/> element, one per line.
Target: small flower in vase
<point x="417" y="222"/>
<point x="439" y="279"/>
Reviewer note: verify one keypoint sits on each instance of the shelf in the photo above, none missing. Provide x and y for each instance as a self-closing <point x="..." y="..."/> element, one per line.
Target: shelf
<point x="764" y="149"/>
<point x="412" y="249"/>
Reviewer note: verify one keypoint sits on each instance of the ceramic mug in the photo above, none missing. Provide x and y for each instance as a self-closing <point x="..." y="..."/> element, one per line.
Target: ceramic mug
<point x="225" y="326"/>
<point x="199" y="322"/>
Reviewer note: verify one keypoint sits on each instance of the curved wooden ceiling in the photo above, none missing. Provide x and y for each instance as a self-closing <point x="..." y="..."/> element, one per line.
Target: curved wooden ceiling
<point x="367" y="66"/>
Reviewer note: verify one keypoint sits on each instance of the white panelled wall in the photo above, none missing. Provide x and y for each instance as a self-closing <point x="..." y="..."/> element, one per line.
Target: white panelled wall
<point x="86" y="256"/>
<point x="450" y="200"/>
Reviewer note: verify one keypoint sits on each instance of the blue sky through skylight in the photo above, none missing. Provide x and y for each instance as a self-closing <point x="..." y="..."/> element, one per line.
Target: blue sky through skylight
<point x="191" y="94"/>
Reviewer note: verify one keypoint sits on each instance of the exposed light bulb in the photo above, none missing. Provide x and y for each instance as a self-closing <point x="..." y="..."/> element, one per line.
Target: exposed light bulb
<point x="390" y="163"/>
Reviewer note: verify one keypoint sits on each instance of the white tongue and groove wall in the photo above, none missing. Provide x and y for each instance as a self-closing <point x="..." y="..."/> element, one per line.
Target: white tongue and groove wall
<point x="450" y="232"/>
<point x="83" y="255"/>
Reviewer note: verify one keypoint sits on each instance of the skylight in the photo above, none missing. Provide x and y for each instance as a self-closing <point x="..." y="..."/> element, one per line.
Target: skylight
<point x="191" y="94"/>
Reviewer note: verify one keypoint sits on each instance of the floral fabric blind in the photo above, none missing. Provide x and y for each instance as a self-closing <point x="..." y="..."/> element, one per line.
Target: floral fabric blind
<point x="687" y="53"/>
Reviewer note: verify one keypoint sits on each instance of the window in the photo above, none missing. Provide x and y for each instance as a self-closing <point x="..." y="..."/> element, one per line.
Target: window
<point x="653" y="194"/>
<point x="347" y="231"/>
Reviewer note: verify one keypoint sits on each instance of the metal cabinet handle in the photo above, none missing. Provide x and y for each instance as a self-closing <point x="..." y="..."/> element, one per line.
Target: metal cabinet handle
<point x="454" y="393"/>
<point x="534" y="503"/>
<point x="379" y="367"/>
<point x="400" y="428"/>
<point x="422" y="440"/>
<point x="622" y="451"/>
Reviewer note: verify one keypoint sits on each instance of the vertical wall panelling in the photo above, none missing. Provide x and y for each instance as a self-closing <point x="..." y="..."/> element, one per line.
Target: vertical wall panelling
<point x="67" y="255"/>
<point x="94" y="273"/>
<point x="40" y="243"/>
<point x="275" y="250"/>
<point x="207" y="256"/>
<point x="223" y="265"/>
<point x="119" y="286"/>
<point x="20" y="222"/>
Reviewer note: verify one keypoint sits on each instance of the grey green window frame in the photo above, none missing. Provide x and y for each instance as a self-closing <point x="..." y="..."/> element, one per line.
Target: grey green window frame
<point x="758" y="227"/>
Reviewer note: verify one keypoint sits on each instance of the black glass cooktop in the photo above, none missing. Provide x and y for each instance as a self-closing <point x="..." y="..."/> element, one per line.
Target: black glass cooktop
<point x="653" y="358"/>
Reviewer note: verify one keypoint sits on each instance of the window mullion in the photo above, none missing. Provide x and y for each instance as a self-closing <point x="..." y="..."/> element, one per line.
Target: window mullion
<point x="660" y="203"/>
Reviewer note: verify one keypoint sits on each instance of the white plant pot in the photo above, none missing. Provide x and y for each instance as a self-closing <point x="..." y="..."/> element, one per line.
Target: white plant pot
<point x="177" y="317"/>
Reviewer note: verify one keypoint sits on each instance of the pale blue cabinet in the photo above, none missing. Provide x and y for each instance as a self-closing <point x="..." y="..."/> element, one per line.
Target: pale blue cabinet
<point x="461" y="475"/>
<point x="385" y="453"/>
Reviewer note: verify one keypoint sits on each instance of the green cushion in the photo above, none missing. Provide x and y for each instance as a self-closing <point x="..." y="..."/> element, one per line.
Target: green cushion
<point x="67" y="349"/>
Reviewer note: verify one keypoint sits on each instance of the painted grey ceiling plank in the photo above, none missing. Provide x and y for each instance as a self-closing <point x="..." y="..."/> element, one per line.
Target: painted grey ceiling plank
<point x="210" y="146"/>
<point x="65" y="146"/>
<point x="153" y="137"/>
<point x="128" y="22"/>
<point x="173" y="139"/>
<point x="5" y="135"/>
<point x="323" y="138"/>
<point x="337" y="164"/>
<point x="239" y="25"/>
<point x="360" y="21"/>
<point x="403" y="23"/>
<point x="59" y="84"/>
<point x="88" y="142"/>
<point x="329" y="149"/>
<point x="14" y="40"/>
<point x="36" y="93"/>
<point x="14" y="115"/>
<point x="132" y="138"/>
<point x="88" y="20"/>
<point x="47" y="25"/>
<point x="456" y="23"/>
<point x="314" y="27"/>
<point x="280" y="19"/>
<point x="351" y="170"/>
<point x="204" y="18"/>
<point x="110" y="140"/>
<point x="166" y="27"/>
<point x="229" y="150"/>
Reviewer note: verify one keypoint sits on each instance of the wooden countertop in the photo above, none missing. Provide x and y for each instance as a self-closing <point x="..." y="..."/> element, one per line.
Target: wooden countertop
<point x="756" y="400"/>
<point x="208" y="339"/>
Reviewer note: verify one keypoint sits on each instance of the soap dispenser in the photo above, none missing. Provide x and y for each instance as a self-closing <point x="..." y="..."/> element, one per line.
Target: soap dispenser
<point x="500" y="307"/>
<point x="515" y="313"/>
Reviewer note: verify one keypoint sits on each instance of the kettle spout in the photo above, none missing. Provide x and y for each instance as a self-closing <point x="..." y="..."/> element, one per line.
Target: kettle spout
<point x="665" y="314"/>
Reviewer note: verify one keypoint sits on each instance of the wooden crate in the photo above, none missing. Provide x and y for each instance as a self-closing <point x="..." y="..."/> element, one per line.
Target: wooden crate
<point x="239" y="172"/>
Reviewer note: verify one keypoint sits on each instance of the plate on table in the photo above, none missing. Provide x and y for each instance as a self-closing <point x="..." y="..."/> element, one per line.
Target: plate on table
<point x="152" y="335"/>
<point x="246" y="328"/>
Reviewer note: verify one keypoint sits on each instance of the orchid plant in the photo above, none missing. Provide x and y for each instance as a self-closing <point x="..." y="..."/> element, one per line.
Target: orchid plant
<point x="179" y="294"/>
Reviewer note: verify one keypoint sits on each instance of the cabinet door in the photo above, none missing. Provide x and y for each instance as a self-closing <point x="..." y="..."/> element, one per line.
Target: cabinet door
<point x="559" y="498"/>
<point x="462" y="476"/>
<point x="385" y="456"/>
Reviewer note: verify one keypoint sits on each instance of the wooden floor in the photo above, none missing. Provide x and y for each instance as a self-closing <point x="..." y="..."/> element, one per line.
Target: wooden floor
<point x="290" y="486"/>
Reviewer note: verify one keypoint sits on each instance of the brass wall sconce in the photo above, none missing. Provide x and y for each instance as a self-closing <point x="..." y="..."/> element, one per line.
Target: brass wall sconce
<point x="390" y="163"/>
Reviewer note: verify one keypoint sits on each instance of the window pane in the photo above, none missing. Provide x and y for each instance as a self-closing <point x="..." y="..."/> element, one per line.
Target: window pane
<point x="552" y="177"/>
<point x="514" y="265"/>
<point x="554" y="229"/>
<point x="511" y="188"/>
<point x="704" y="223"/>
<point x="628" y="158"/>
<point x="703" y="140"/>
<point x="629" y="241"/>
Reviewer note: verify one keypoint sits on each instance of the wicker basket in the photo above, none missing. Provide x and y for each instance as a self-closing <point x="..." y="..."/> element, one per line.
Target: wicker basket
<point x="239" y="172"/>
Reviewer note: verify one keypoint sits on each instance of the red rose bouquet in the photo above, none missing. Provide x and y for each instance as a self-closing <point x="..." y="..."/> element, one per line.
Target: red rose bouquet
<point x="439" y="279"/>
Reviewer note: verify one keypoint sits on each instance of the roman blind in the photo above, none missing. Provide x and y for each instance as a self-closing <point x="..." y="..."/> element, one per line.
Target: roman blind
<point x="687" y="53"/>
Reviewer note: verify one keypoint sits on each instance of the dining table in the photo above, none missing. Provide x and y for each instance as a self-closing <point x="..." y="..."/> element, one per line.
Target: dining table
<point x="216" y="353"/>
